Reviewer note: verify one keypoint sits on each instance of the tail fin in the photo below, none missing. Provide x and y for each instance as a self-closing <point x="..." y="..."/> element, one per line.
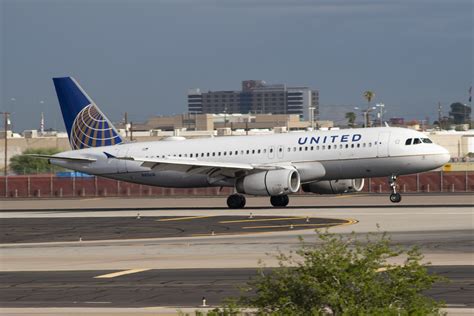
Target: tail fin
<point x="86" y="125"/>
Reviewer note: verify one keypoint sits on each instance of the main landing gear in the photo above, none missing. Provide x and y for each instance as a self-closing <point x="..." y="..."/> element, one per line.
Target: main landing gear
<point x="395" y="197"/>
<point x="279" y="200"/>
<point x="236" y="201"/>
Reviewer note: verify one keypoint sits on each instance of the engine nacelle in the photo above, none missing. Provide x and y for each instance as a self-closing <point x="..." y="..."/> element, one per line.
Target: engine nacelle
<point x="334" y="186"/>
<point x="271" y="182"/>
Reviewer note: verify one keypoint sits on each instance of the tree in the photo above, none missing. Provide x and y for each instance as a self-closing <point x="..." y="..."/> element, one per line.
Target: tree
<point x="368" y="95"/>
<point x="23" y="164"/>
<point x="344" y="276"/>
<point x="351" y="117"/>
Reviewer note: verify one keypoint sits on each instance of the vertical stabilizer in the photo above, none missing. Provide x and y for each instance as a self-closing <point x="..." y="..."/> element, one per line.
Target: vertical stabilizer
<point x="86" y="125"/>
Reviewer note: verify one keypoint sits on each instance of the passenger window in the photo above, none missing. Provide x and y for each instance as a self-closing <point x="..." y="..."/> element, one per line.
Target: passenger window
<point x="323" y="147"/>
<point x="190" y="155"/>
<point x="225" y="153"/>
<point x="280" y="149"/>
<point x="370" y="144"/>
<point x="347" y="145"/>
<point x="289" y="149"/>
<point x="271" y="150"/>
<point x="408" y="141"/>
<point x="236" y="152"/>
<point x="253" y="151"/>
<point x="329" y="146"/>
<point x="363" y="145"/>
<point x="358" y="145"/>
<point x="248" y="151"/>
<point x="352" y="145"/>
<point x="317" y="147"/>
<point x="213" y="154"/>
<point x="416" y="141"/>
<point x="301" y="148"/>
<point x="312" y="148"/>
<point x="294" y="148"/>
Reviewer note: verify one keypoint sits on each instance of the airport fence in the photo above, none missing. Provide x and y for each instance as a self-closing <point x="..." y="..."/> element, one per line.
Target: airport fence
<point x="50" y="186"/>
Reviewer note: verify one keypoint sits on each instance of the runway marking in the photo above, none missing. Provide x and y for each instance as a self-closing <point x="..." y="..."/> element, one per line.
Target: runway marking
<point x="120" y="273"/>
<point x="291" y="225"/>
<point x="263" y="220"/>
<point x="182" y="218"/>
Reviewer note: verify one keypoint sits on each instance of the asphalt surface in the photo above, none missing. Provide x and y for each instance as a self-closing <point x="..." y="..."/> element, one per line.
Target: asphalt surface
<point x="34" y="230"/>
<point x="176" y="287"/>
<point x="172" y="258"/>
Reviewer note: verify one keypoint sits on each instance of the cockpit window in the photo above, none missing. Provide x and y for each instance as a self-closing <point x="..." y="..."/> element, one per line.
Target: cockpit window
<point x="408" y="141"/>
<point x="426" y="140"/>
<point x="417" y="141"/>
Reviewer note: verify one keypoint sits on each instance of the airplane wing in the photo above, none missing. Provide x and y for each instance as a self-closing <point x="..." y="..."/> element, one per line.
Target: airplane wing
<point x="72" y="159"/>
<point x="194" y="166"/>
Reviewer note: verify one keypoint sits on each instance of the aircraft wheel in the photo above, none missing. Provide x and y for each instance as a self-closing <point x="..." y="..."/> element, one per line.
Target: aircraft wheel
<point x="395" y="197"/>
<point x="279" y="200"/>
<point x="236" y="201"/>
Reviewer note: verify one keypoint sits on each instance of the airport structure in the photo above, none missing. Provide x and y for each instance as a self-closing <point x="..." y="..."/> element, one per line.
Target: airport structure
<point x="255" y="97"/>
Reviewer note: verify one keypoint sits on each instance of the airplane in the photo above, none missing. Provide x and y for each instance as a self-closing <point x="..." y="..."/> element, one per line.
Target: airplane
<point x="320" y="161"/>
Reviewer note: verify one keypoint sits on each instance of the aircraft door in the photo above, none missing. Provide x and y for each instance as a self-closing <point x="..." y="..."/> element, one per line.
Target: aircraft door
<point x="383" y="144"/>
<point x="271" y="152"/>
<point x="280" y="152"/>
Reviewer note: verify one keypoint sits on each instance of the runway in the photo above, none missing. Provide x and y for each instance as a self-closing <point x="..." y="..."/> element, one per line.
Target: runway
<point x="175" y="287"/>
<point x="43" y="239"/>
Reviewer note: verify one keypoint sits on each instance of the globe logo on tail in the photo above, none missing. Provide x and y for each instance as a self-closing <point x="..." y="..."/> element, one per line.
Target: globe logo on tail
<point x="91" y="129"/>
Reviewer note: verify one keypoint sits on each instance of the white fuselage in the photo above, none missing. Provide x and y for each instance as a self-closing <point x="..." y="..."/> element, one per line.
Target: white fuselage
<point x="345" y="154"/>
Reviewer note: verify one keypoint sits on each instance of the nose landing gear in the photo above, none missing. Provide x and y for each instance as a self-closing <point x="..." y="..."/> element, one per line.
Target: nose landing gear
<point x="395" y="197"/>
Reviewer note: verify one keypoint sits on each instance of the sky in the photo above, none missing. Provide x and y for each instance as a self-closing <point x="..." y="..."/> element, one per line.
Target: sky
<point x="141" y="57"/>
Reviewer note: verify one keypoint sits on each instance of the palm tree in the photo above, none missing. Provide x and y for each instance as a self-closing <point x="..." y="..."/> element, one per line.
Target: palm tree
<point x="351" y="117"/>
<point x="368" y="95"/>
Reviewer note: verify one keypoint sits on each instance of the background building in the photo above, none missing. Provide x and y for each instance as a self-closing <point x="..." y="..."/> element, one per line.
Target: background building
<point x="257" y="97"/>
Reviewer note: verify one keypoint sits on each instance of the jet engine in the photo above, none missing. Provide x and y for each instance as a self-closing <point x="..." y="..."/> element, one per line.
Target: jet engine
<point x="334" y="186"/>
<point x="271" y="182"/>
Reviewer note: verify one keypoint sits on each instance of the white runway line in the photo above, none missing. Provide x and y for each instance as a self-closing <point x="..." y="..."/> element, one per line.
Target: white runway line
<point x="120" y="273"/>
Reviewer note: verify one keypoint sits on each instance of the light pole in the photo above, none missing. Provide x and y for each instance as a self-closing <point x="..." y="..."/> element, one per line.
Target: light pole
<point x="381" y="107"/>
<point x="5" y="125"/>
<point x="366" y="115"/>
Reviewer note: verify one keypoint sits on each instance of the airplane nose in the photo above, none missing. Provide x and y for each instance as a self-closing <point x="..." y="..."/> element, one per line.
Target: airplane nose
<point x="444" y="155"/>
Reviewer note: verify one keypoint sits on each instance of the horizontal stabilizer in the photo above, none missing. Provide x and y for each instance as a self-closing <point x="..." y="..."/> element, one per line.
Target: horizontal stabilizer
<point x="73" y="159"/>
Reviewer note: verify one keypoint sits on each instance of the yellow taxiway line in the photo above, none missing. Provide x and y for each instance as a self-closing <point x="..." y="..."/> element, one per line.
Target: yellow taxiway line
<point x="291" y="225"/>
<point x="120" y="273"/>
<point x="181" y="218"/>
<point x="262" y="220"/>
